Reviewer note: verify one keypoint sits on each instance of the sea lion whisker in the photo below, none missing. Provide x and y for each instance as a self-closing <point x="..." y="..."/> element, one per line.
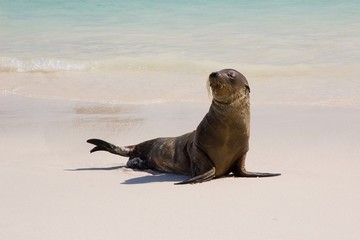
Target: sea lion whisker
<point x="209" y="90"/>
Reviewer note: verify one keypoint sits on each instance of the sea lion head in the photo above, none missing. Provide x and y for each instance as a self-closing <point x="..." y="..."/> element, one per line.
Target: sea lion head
<point x="228" y="85"/>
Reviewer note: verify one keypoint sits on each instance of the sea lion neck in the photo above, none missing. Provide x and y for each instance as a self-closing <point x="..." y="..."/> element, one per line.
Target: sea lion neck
<point x="240" y="100"/>
<point x="230" y="111"/>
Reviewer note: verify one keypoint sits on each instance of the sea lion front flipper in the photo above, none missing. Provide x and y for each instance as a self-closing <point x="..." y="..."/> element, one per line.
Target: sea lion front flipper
<point x="240" y="170"/>
<point x="257" y="174"/>
<point x="207" y="176"/>
<point x="105" y="146"/>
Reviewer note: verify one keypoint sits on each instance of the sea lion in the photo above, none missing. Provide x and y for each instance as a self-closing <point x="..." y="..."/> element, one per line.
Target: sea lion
<point x="216" y="148"/>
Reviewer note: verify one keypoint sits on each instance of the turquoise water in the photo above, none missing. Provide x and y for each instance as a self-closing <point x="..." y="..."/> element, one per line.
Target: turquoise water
<point x="131" y="51"/>
<point x="74" y="34"/>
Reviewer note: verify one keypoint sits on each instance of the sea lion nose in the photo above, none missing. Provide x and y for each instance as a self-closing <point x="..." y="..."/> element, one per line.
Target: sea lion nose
<point x="213" y="75"/>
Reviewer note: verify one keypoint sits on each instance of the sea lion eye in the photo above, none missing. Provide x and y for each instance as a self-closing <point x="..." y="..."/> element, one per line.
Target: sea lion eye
<point x="231" y="75"/>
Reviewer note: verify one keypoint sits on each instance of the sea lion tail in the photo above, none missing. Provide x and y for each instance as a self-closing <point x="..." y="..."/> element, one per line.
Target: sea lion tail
<point x="101" y="145"/>
<point x="207" y="176"/>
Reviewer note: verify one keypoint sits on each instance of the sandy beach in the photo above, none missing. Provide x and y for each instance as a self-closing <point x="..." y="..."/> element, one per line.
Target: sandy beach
<point x="53" y="188"/>
<point x="129" y="71"/>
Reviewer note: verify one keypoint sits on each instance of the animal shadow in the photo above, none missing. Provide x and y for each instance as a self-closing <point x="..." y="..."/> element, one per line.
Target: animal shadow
<point x="155" y="177"/>
<point x="152" y="178"/>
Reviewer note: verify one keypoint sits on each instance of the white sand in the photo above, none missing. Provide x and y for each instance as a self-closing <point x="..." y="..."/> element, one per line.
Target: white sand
<point x="52" y="188"/>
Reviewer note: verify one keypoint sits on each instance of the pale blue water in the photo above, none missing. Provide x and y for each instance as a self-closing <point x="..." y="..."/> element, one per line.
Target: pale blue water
<point x="251" y="32"/>
<point x="263" y="37"/>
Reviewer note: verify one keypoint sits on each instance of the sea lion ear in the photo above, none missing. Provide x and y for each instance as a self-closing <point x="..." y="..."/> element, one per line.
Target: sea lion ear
<point x="247" y="87"/>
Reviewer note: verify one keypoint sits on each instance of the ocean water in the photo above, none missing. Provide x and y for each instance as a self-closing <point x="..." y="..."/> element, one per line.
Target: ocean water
<point x="305" y="52"/>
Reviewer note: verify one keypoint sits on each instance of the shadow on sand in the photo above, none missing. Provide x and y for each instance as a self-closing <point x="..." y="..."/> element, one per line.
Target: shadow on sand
<point x="152" y="178"/>
<point x="96" y="169"/>
<point x="156" y="177"/>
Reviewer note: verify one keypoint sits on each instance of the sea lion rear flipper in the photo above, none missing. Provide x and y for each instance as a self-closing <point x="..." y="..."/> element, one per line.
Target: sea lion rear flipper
<point x="105" y="146"/>
<point x="207" y="176"/>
